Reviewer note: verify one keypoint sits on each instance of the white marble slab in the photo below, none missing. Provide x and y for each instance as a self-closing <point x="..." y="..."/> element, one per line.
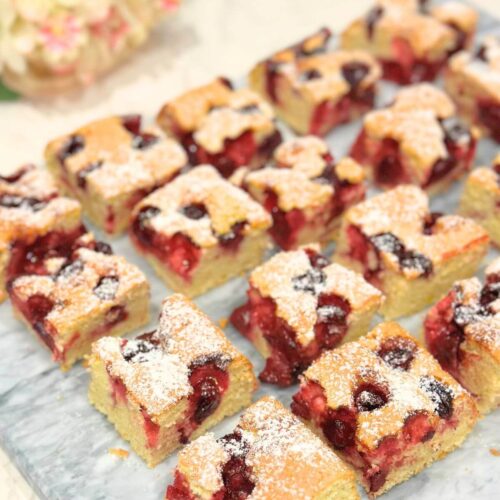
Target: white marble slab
<point x="59" y="442"/>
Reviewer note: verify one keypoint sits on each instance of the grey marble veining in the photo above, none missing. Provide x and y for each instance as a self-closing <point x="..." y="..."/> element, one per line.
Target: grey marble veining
<point x="60" y="443"/>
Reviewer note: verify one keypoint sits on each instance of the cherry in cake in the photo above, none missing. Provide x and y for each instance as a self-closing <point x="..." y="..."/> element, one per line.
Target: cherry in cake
<point x="166" y="387"/>
<point x="299" y="304"/>
<point x="462" y="332"/>
<point x="34" y="219"/>
<point x="472" y="81"/>
<point x="111" y="164"/>
<point x="412" y="40"/>
<point x="306" y="191"/>
<point x="75" y="299"/>
<point x="411" y="254"/>
<point x="417" y="140"/>
<point x="481" y="199"/>
<point x="269" y="455"/>
<point x="385" y="406"/>
<point x="200" y="230"/>
<point x="221" y="126"/>
<point x="313" y="90"/>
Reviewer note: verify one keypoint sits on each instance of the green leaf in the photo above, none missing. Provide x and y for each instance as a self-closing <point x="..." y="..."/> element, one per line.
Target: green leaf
<point x="6" y="94"/>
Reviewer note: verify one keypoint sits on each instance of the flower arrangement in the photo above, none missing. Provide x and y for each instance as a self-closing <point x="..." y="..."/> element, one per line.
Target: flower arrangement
<point x="48" y="46"/>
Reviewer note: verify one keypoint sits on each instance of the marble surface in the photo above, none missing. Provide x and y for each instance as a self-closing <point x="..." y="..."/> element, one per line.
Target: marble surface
<point x="46" y="425"/>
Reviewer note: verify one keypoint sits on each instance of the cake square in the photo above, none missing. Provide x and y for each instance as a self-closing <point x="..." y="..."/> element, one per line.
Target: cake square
<point x="313" y="90"/>
<point x="269" y="455"/>
<point x="76" y="298"/>
<point x="417" y="140"/>
<point x="385" y="406"/>
<point x="306" y="191"/>
<point x="169" y="386"/>
<point x="471" y="79"/>
<point x="411" y="39"/>
<point x="221" y="126"/>
<point x="111" y="164"/>
<point x="33" y="220"/>
<point x="411" y="254"/>
<point x="200" y="230"/>
<point x="481" y="199"/>
<point x="299" y="305"/>
<point x="462" y="332"/>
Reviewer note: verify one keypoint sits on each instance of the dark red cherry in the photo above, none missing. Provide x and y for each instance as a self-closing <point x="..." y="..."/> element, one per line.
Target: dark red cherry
<point x="311" y="281"/>
<point x="372" y="19"/>
<point x="310" y="74"/>
<point x="370" y="397"/>
<point x="132" y="352"/>
<point x="84" y="172"/>
<point x="144" y="141"/>
<point x="430" y="221"/>
<point x="237" y="478"/>
<point x="107" y="287"/>
<point x="73" y="145"/>
<point x="440" y="395"/>
<point x="14" y="201"/>
<point x="397" y="352"/>
<point x="102" y="247"/>
<point x="195" y="211"/>
<point x="339" y="427"/>
<point x="68" y="269"/>
<point x="354" y="73"/>
<point x="132" y="123"/>
<point x="316" y="259"/>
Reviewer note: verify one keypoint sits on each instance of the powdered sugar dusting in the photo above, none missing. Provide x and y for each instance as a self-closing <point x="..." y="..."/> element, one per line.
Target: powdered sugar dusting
<point x="225" y="204"/>
<point x="341" y="371"/>
<point x="287" y="460"/>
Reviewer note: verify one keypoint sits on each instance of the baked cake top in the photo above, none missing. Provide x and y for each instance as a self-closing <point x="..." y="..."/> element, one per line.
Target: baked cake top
<point x="481" y="66"/>
<point x="88" y="284"/>
<point x="30" y="204"/>
<point x="286" y="459"/>
<point x="399" y="222"/>
<point x="296" y="279"/>
<point x="215" y="112"/>
<point x="204" y="206"/>
<point x="115" y="156"/>
<point x="155" y="367"/>
<point x="386" y="377"/>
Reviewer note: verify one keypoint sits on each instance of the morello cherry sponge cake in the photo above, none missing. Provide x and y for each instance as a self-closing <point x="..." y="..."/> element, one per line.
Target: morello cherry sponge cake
<point x="306" y="191"/>
<point x="314" y="90"/>
<point x="111" y="164"/>
<point x="416" y="140"/>
<point x="462" y="332"/>
<point x="471" y="79"/>
<point x="164" y="388"/>
<point x="269" y="455"/>
<point x="34" y="220"/>
<point x="200" y="230"/>
<point x="481" y="199"/>
<point x="411" y="254"/>
<point x="76" y="299"/>
<point x="412" y="40"/>
<point x="299" y="304"/>
<point x="385" y="406"/>
<point x="223" y="127"/>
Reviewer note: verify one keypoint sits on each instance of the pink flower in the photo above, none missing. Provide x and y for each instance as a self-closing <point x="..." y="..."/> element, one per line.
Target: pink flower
<point x="61" y="34"/>
<point x="113" y="28"/>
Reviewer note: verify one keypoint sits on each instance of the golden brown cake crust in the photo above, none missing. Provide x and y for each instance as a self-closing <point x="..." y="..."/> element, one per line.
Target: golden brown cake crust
<point x="340" y="371"/>
<point x="88" y="286"/>
<point x="44" y="210"/>
<point x="287" y="460"/>
<point x="293" y="177"/>
<point x="122" y="168"/>
<point x="298" y="307"/>
<point x="215" y="112"/>
<point x="158" y="379"/>
<point x="225" y="204"/>
<point x="402" y="212"/>
<point x="483" y="73"/>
